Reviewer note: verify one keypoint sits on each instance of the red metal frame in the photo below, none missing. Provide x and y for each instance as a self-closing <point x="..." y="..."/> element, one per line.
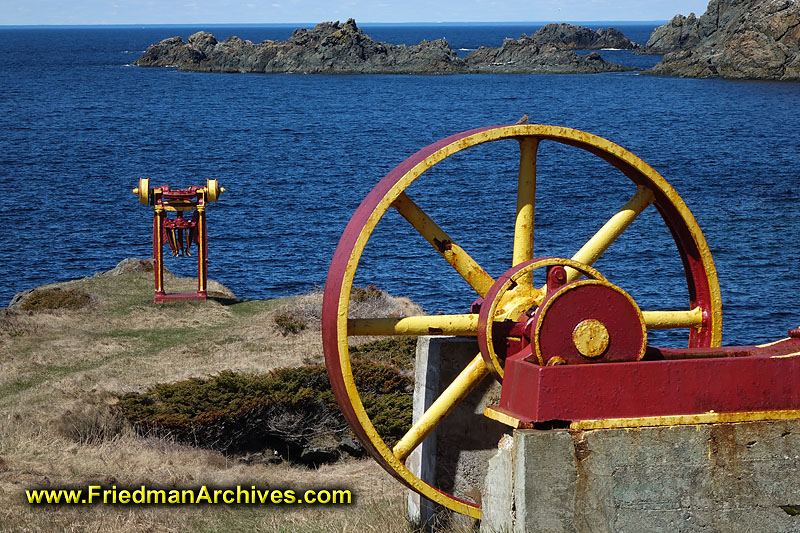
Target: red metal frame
<point x="728" y="382"/>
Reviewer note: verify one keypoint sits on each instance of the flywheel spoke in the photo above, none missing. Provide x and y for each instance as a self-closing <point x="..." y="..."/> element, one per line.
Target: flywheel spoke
<point x="673" y="319"/>
<point x="467" y="380"/>
<point x="526" y="201"/>
<point x="460" y="260"/>
<point x="612" y="229"/>
<point x="466" y="324"/>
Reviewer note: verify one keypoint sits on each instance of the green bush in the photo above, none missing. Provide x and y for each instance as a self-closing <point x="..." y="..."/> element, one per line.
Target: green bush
<point x="397" y="351"/>
<point x="55" y="298"/>
<point x="285" y="409"/>
<point x="289" y="322"/>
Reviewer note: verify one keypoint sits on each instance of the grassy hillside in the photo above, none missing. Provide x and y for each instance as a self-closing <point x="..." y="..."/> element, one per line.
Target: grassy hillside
<point x="63" y="370"/>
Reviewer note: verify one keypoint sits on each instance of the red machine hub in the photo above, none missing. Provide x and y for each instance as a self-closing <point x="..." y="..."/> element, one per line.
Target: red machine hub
<point x="588" y="321"/>
<point x="567" y="321"/>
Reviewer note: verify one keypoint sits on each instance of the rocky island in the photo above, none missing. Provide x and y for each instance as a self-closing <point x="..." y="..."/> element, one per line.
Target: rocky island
<point x="335" y="48"/>
<point x="580" y="38"/>
<point x="550" y="49"/>
<point x="740" y="39"/>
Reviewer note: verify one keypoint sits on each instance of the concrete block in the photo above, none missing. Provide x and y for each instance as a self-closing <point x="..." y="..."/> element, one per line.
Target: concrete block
<point x="498" y="503"/>
<point x="708" y="477"/>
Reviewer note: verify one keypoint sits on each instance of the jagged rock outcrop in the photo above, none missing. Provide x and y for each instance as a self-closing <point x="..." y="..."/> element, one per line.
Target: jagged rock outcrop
<point x="328" y="48"/>
<point x="335" y="48"/>
<point x="524" y="55"/>
<point x="741" y="39"/>
<point x="580" y="38"/>
<point x="679" y="33"/>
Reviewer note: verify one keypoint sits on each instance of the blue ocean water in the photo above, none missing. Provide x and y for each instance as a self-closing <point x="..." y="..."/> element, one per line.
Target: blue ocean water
<point x="297" y="153"/>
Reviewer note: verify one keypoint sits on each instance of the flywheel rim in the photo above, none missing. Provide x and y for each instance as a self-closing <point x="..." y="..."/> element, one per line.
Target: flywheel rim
<point x="702" y="282"/>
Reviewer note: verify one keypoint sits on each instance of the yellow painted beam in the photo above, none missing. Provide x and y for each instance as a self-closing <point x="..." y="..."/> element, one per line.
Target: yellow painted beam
<point x="526" y="201"/>
<point x="710" y="417"/>
<point x="460" y="260"/>
<point x="467" y="380"/>
<point x="502" y="417"/>
<point x="415" y="325"/>
<point x="611" y="230"/>
<point x="673" y="319"/>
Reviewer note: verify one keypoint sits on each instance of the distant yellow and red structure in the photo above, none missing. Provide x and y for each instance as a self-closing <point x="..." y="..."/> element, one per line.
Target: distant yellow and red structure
<point x="179" y="232"/>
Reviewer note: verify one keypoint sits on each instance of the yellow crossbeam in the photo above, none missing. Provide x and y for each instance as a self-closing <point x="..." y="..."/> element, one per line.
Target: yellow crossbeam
<point x="611" y="230"/>
<point x="460" y="260"/>
<point x="467" y="380"/>
<point x="673" y="319"/>
<point x="415" y="325"/>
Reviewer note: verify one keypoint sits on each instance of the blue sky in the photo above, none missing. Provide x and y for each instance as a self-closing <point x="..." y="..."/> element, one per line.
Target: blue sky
<point x="59" y="12"/>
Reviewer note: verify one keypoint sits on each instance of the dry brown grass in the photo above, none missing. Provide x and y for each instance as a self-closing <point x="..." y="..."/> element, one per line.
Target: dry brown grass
<point x="59" y="427"/>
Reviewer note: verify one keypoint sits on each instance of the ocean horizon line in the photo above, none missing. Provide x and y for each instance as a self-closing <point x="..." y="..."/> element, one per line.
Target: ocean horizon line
<point x="312" y="24"/>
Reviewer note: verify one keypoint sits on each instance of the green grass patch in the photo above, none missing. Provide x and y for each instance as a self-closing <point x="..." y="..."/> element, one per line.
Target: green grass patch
<point x="177" y="335"/>
<point x="150" y="340"/>
<point x="250" y="308"/>
<point x="46" y="374"/>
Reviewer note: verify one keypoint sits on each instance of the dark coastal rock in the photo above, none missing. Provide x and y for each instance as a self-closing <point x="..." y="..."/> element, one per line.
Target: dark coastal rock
<point x="740" y="39"/>
<point x="679" y="33"/>
<point x="525" y="55"/>
<point x="328" y="48"/>
<point x="335" y="48"/>
<point x="172" y="52"/>
<point x="580" y="38"/>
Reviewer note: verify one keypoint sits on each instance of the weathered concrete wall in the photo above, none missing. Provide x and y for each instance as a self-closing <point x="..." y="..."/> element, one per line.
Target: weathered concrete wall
<point x="710" y="477"/>
<point x="455" y="457"/>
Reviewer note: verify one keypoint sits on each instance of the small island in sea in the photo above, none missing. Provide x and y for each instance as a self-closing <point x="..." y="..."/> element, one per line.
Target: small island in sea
<point x="336" y="48"/>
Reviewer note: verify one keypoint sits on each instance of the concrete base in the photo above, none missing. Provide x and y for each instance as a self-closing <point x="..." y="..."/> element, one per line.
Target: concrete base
<point x="710" y="477"/>
<point x="455" y="457"/>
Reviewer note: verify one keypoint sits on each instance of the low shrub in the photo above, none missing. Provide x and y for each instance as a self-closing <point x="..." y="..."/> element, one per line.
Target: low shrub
<point x="397" y="351"/>
<point x="289" y="322"/>
<point x="55" y="298"/>
<point x="287" y="410"/>
<point x="90" y="421"/>
<point x="364" y="294"/>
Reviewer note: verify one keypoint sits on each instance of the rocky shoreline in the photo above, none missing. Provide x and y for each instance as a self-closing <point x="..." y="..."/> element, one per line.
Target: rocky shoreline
<point x="736" y="39"/>
<point x="336" y="48"/>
